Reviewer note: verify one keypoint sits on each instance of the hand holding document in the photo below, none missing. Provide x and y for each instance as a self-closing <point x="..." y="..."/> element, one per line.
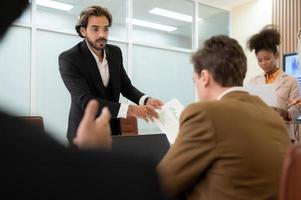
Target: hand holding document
<point x="266" y="92"/>
<point x="168" y="120"/>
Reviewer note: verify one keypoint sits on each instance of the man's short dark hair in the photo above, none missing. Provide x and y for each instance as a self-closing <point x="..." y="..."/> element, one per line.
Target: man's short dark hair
<point x="91" y="11"/>
<point x="224" y="58"/>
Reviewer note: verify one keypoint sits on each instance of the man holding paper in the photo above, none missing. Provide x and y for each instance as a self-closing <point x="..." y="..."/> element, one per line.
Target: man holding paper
<point x="231" y="144"/>
<point x="93" y="69"/>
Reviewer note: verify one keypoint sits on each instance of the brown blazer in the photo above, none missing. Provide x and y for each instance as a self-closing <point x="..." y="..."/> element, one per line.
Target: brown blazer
<point x="231" y="148"/>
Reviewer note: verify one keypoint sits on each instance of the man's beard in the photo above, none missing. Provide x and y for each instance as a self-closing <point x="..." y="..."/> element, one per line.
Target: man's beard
<point x="94" y="44"/>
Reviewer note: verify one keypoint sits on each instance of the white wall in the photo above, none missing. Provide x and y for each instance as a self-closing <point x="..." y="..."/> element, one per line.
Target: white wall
<point x="247" y="20"/>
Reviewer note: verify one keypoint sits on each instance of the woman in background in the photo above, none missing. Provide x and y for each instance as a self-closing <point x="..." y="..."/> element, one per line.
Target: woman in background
<point x="265" y="43"/>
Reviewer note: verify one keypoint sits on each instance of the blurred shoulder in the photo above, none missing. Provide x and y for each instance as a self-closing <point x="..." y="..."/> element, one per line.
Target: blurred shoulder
<point x="73" y="51"/>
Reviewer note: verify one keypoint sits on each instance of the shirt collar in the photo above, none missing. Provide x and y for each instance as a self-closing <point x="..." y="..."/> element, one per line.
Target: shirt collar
<point x="272" y="71"/>
<point x="232" y="89"/>
<point x="95" y="56"/>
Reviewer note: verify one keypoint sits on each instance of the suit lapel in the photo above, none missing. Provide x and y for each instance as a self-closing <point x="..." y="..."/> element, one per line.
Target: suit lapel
<point x="113" y="70"/>
<point x="92" y="67"/>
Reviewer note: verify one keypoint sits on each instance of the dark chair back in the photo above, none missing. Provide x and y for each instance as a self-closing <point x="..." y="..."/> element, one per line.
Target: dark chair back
<point x="129" y="126"/>
<point x="290" y="180"/>
<point x="36" y="121"/>
<point x="152" y="146"/>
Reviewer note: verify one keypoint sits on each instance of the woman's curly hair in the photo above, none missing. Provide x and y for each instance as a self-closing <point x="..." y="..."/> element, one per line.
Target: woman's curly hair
<point x="267" y="39"/>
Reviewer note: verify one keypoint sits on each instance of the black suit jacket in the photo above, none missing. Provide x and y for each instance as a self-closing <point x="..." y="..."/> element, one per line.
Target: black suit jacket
<point x="82" y="78"/>
<point x="34" y="166"/>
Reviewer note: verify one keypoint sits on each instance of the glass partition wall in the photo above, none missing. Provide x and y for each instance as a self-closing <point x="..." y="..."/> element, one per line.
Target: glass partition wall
<point x="157" y="38"/>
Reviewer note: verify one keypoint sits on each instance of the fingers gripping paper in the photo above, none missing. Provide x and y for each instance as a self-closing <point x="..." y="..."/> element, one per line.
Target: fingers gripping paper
<point x="168" y="120"/>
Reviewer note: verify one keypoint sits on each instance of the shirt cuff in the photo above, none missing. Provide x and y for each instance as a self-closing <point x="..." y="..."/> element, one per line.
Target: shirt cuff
<point x="123" y="110"/>
<point x="141" y="101"/>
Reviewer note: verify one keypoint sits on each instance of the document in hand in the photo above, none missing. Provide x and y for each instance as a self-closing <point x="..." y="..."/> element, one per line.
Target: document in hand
<point x="266" y="92"/>
<point x="168" y="120"/>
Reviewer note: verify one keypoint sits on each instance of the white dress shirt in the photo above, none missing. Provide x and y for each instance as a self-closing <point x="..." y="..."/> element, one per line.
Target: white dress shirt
<point x="103" y="68"/>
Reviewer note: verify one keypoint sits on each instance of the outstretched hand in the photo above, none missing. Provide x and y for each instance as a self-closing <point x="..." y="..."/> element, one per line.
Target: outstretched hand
<point x="94" y="133"/>
<point x="154" y="103"/>
<point x="143" y="112"/>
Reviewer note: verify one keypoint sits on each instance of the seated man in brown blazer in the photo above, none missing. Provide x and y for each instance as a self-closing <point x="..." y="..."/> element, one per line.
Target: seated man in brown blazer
<point x="231" y="145"/>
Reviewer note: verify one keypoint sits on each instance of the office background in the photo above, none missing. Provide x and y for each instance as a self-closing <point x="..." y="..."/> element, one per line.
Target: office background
<point x="157" y="61"/>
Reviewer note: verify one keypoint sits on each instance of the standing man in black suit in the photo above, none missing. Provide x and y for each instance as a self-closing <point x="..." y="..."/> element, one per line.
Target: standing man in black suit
<point x="93" y="69"/>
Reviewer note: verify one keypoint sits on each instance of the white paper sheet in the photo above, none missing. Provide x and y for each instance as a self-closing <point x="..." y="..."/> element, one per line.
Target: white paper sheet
<point x="168" y="120"/>
<point x="266" y="92"/>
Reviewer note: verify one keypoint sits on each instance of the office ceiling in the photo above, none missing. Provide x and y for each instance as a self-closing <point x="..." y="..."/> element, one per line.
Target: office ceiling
<point x="141" y="10"/>
<point x="224" y="4"/>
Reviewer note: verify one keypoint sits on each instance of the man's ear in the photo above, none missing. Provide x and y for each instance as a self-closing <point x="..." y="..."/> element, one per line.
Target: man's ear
<point x="83" y="31"/>
<point x="205" y="77"/>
